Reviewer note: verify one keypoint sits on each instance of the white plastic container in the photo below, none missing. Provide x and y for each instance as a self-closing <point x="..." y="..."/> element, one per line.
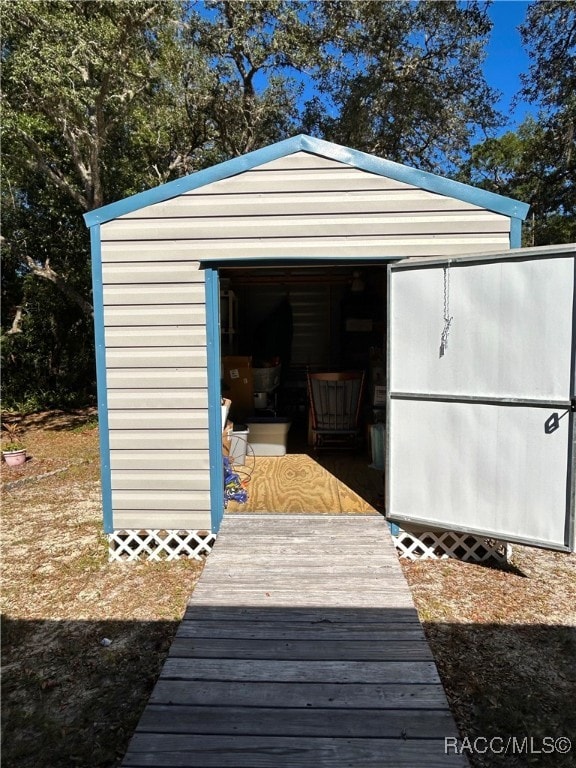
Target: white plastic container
<point x="268" y="436"/>
<point x="238" y="446"/>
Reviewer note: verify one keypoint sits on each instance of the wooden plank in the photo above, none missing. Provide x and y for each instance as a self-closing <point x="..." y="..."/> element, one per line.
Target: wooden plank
<point x="277" y="596"/>
<point x="420" y="672"/>
<point x="371" y="569"/>
<point x="275" y="524"/>
<point x="382" y="575"/>
<point x="290" y="554"/>
<point x="300" y="630"/>
<point x="348" y="543"/>
<point x="307" y="525"/>
<point x="304" y="650"/>
<point x="309" y="561"/>
<point x="301" y="646"/>
<point x="299" y="613"/>
<point x="327" y="695"/>
<point x="310" y="584"/>
<point x="301" y="722"/>
<point x="312" y="536"/>
<point x="297" y="557"/>
<point x="183" y="751"/>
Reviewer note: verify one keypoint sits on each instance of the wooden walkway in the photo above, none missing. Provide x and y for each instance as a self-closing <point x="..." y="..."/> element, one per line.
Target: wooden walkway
<point x="300" y="648"/>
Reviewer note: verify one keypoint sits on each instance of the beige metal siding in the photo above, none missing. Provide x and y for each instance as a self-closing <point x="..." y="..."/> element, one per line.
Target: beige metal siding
<point x="301" y="206"/>
<point x="305" y="206"/>
<point x="155" y="330"/>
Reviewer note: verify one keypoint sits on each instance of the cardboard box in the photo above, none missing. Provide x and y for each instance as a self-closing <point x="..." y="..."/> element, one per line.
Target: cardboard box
<point x="238" y="386"/>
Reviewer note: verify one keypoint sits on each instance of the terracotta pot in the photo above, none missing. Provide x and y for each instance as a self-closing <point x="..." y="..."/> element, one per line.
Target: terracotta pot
<point x="14" y="458"/>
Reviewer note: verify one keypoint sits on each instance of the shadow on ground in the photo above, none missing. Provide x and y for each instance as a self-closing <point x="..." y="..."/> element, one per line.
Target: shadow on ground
<point x="71" y="698"/>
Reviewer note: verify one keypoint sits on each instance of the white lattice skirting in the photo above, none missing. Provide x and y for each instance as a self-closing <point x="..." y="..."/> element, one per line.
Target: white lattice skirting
<point x="124" y="545"/>
<point x="439" y="545"/>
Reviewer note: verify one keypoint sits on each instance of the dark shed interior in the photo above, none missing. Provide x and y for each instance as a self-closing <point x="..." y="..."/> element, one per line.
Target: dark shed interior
<point x="306" y="319"/>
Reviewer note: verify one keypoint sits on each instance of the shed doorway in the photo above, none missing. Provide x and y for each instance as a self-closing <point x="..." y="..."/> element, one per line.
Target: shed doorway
<point x="290" y="321"/>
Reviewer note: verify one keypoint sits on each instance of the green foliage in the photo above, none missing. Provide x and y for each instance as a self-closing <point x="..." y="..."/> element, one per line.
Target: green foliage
<point x="50" y="364"/>
<point x="102" y="100"/>
<point x="12" y="430"/>
<point x="405" y="80"/>
<point x="243" y="70"/>
<point x="549" y="34"/>
<point x="537" y="162"/>
<point x="88" y="117"/>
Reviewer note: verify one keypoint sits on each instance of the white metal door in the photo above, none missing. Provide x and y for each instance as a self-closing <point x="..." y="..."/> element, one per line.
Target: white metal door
<point x="481" y="394"/>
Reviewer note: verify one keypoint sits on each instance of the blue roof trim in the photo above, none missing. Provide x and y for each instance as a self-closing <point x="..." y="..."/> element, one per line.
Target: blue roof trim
<point x="101" y="381"/>
<point x="370" y="163"/>
<point x="516" y="233"/>
<point x="193" y="181"/>
<point x="428" y="181"/>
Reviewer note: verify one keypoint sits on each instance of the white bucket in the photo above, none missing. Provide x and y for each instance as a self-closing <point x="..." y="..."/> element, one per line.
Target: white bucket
<point x="238" y="444"/>
<point x="260" y="400"/>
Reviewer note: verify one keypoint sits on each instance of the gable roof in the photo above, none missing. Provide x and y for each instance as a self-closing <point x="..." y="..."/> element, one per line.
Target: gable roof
<point x="302" y="143"/>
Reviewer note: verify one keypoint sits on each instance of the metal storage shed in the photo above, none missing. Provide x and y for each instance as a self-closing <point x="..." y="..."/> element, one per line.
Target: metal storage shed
<point x="156" y="259"/>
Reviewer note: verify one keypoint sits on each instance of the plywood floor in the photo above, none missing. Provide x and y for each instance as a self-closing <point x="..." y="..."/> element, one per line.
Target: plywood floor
<point x="302" y="484"/>
<point x="300" y="648"/>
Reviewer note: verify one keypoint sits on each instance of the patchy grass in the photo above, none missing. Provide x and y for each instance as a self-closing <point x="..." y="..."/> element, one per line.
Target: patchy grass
<point x="68" y="700"/>
<point x="504" y="639"/>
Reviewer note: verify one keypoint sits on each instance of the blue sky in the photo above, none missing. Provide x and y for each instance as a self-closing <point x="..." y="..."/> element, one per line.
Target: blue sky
<point x="505" y="60"/>
<point x="506" y="57"/>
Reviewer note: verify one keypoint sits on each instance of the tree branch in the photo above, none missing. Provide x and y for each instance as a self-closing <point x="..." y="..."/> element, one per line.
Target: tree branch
<point x="56" y="177"/>
<point x="47" y="273"/>
<point x="16" y="322"/>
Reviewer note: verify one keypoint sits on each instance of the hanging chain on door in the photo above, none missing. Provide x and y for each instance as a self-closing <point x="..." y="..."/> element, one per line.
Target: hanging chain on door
<point x="447" y="317"/>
